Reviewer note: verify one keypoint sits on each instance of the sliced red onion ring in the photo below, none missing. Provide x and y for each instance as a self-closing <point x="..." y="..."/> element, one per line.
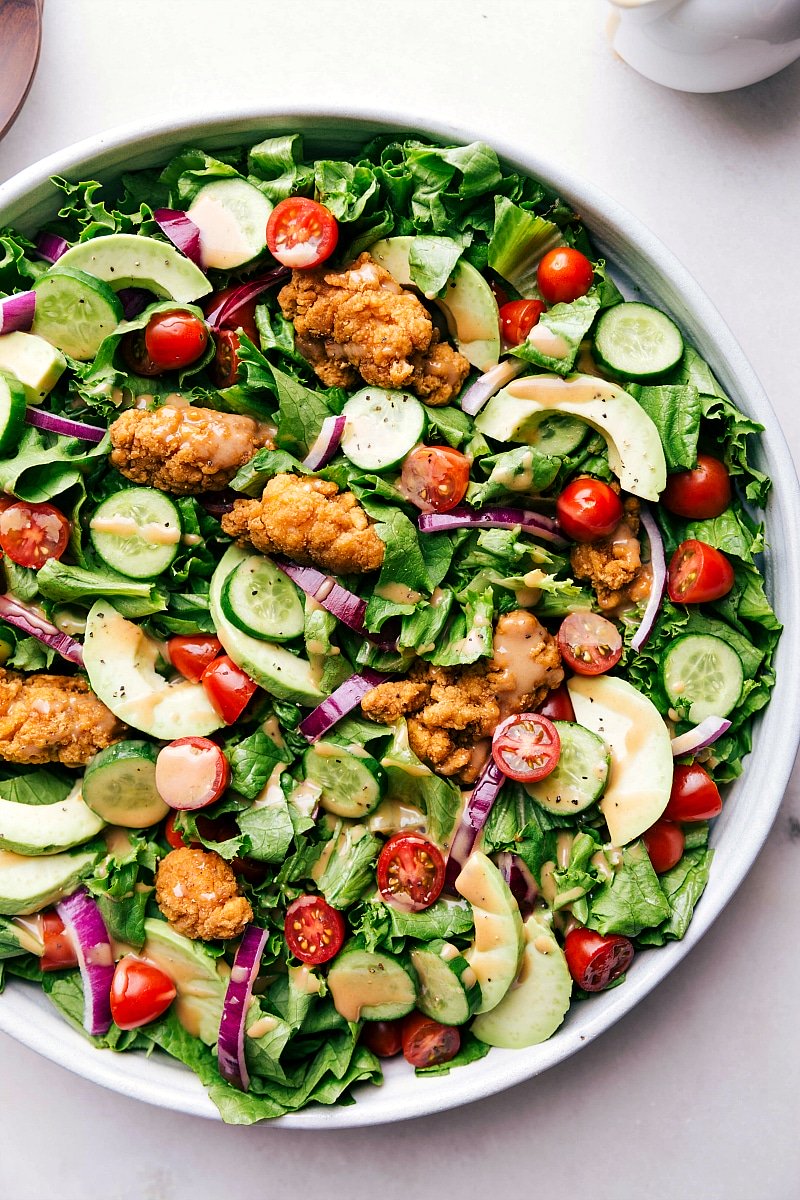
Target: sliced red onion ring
<point x="218" y="503"/>
<point x="181" y="231"/>
<point x="222" y="314"/>
<point x="52" y="423"/>
<point x="230" y="1046"/>
<point x="477" y="809"/>
<point x="50" y="246"/>
<point x="346" y="697"/>
<point x="486" y="385"/>
<point x="33" y="625"/>
<point x="520" y="881"/>
<point x="659" y="582"/>
<point x="493" y="518"/>
<point x="16" y="312"/>
<point x="701" y="736"/>
<point x="87" y="929"/>
<point x="349" y="608"/>
<point x="325" y="444"/>
<point x="134" y="300"/>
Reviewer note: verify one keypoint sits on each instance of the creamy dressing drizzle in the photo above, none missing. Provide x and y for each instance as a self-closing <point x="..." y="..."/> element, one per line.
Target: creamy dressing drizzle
<point x="152" y="532"/>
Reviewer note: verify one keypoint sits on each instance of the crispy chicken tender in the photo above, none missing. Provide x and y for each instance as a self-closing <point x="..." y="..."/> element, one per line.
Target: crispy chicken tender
<point x="53" y="718"/>
<point x="184" y="450"/>
<point x="197" y="892"/>
<point x="612" y="566"/>
<point x="453" y="711"/>
<point x="359" y="324"/>
<point x="310" y="521"/>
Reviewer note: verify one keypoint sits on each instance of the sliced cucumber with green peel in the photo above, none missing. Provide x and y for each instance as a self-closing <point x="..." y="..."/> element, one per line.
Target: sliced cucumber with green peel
<point x="702" y="676"/>
<point x="75" y="312"/>
<point x="262" y="601"/>
<point x="137" y="532"/>
<point x="232" y="216"/>
<point x="581" y="774"/>
<point x="120" y="785"/>
<point x="381" y="427"/>
<point x="12" y="412"/>
<point x="448" y="989"/>
<point x="352" y="785"/>
<point x="369" y="986"/>
<point x="636" y="341"/>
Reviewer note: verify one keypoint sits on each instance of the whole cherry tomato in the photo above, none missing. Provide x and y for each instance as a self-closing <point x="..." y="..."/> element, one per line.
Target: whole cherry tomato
<point x="30" y="534"/>
<point x="517" y="319"/>
<point x="175" y="339"/>
<point x="426" y="1043"/>
<point x="301" y="233"/>
<point x="589" y="644"/>
<point x="701" y="493"/>
<point x="697" y="574"/>
<point x="664" y="843"/>
<point x="588" y="509"/>
<point x="140" y="992"/>
<point x="694" y="795"/>
<point x="410" y="872"/>
<point x="435" y="478"/>
<point x="384" y="1038"/>
<point x="595" y="960"/>
<point x="314" y="930"/>
<point x="563" y="275"/>
<point x="557" y="705"/>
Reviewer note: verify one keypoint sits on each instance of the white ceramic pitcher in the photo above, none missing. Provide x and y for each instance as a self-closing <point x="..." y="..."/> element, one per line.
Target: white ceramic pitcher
<point x="707" y="45"/>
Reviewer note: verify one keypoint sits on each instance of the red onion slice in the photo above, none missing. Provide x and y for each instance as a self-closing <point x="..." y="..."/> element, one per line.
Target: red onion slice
<point x="222" y="314"/>
<point x="346" y="606"/>
<point x="218" y="503"/>
<point x="340" y="702"/>
<point x="33" y="625"/>
<point x="486" y="790"/>
<point x="16" y="312"/>
<point x="230" y="1046"/>
<point x="50" y="246"/>
<point x="181" y="231"/>
<point x="488" y="384"/>
<point x="325" y="444"/>
<point x="659" y="582"/>
<point x="87" y="929"/>
<point x="52" y="423"/>
<point x="521" y="882"/>
<point x="701" y="736"/>
<point x="493" y="518"/>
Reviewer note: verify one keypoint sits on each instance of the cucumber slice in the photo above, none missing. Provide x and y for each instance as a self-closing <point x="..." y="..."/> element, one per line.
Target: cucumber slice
<point x="368" y="986"/>
<point x="262" y="601"/>
<point x="12" y="412"/>
<point x="120" y="785"/>
<point x="382" y="426"/>
<point x="448" y="989"/>
<point x="636" y="341"/>
<point x="137" y="532"/>
<point x="352" y="785"/>
<point x="231" y="215"/>
<point x="75" y="312"/>
<point x="559" y="435"/>
<point x="702" y="676"/>
<point x="580" y="777"/>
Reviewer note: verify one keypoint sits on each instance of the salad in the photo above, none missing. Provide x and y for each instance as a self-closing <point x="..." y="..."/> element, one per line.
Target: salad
<point x="382" y="615"/>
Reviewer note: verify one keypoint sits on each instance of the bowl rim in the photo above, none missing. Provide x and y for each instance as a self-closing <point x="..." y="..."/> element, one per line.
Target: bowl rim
<point x="615" y="229"/>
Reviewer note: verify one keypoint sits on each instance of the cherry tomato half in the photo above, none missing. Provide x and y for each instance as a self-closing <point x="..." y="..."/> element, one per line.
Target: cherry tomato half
<point x="140" y="992"/>
<point x="701" y="493"/>
<point x="301" y="233"/>
<point x="595" y="961"/>
<point x="557" y="705"/>
<point x="427" y="1043"/>
<point x="563" y="275"/>
<point x="224" y="369"/>
<point x="228" y="688"/>
<point x="174" y="837"/>
<point x="435" y="478"/>
<point x="384" y="1038"/>
<point x="517" y="319"/>
<point x="526" y="747"/>
<point x="314" y="930"/>
<point x="589" y="643"/>
<point x="694" y="795"/>
<point x="59" y="951"/>
<point x="410" y="872"/>
<point x="135" y="356"/>
<point x="191" y="655"/>
<point x="30" y="534"/>
<point x="191" y="773"/>
<point x="697" y="574"/>
<point x="588" y="509"/>
<point x="664" y="843"/>
<point x="175" y="339"/>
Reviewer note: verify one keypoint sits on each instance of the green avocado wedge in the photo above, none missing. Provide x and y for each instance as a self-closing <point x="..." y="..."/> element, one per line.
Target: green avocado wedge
<point x="28" y="885"/>
<point x="34" y="829"/>
<point x="131" y="260"/>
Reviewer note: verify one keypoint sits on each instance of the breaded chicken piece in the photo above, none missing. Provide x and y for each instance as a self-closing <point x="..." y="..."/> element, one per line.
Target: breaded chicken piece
<point x="310" y="521"/>
<point x="53" y="718"/>
<point x="184" y="450"/>
<point x="612" y="565"/>
<point x="359" y="324"/>
<point x="453" y="711"/>
<point x="197" y="892"/>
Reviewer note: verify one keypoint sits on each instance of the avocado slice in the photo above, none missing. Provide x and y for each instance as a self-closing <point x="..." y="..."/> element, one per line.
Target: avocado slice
<point x="30" y="884"/>
<point x="34" y="829"/>
<point x="640" y="779"/>
<point x="281" y="673"/>
<point x="120" y="660"/>
<point x="531" y="1011"/>
<point x="131" y="260"/>
<point x="469" y="306"/>
<point x="497" y="950"/>
<point x="34" y="362"/>
<point x="635" y="453"/>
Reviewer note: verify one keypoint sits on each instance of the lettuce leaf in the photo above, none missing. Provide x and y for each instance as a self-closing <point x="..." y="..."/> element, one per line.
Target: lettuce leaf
<point x="633" y="900"/>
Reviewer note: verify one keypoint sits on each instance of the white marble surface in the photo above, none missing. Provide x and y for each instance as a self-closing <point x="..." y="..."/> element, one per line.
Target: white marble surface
<point x="694" y="1094"/>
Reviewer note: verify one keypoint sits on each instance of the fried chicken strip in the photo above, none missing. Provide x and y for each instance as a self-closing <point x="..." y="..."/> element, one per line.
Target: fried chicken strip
<point x="612" y="565"/>
<point x="53" y="718"/>
<point x="197" y="892"/>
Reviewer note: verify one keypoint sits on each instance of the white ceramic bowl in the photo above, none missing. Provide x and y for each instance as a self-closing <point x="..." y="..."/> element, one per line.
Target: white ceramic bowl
<point x="641" y="262"/>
